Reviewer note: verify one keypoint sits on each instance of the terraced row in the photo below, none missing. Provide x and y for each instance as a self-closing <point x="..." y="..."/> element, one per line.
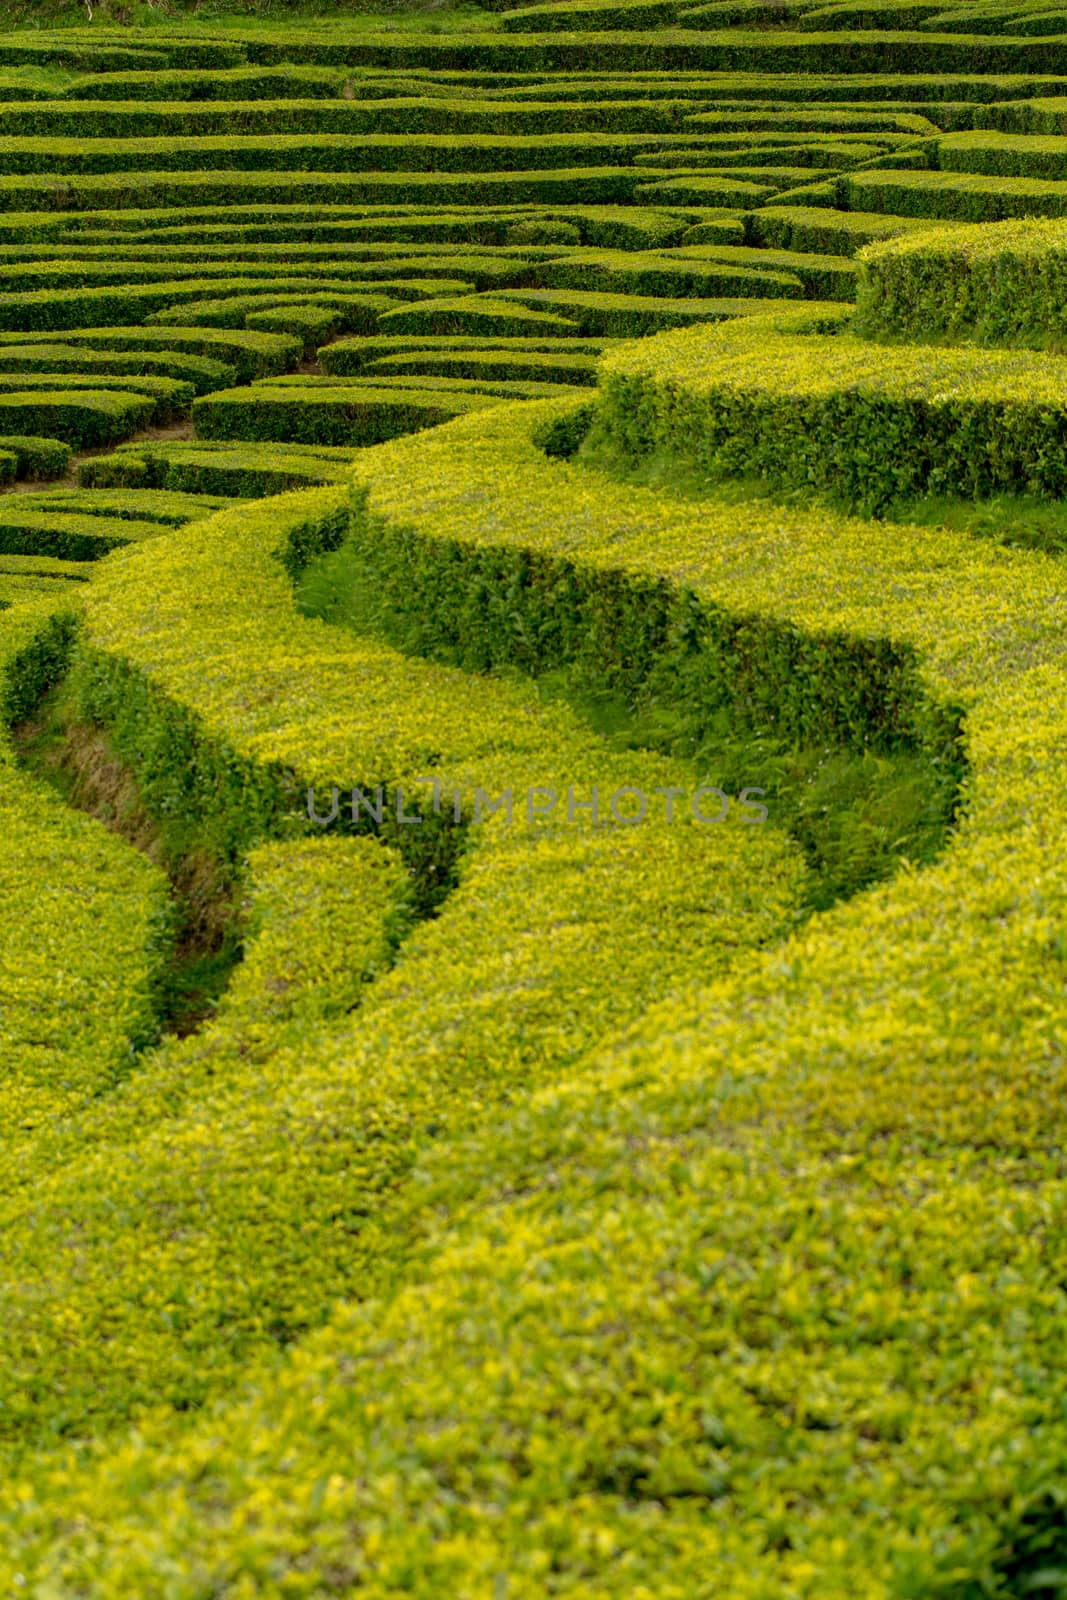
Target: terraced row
<point x="544" y="1199"/>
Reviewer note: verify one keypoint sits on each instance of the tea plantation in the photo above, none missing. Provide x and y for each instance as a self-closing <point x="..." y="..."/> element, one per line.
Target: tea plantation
<point x="533" y="803"/>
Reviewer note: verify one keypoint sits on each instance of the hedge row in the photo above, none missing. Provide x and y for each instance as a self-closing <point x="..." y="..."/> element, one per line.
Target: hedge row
<point x="168" y="397"/>
<point x="67" y="310"/>
<point x="711" y="189"/>
<point x="1004" y="154"/>
<point x="415" y="114"/>
<point x="43" y="567"/>
<point x="351" y="313"/>
<point x="621" y="316"/>
<point x="676" y="49"/>
<point x="444" y="384"/>
<point x="896" y="15"/>
<point x="140" y="505"/>
<point x="826" y="157"/>
<point x="232" y="267"/>
<point x="1017" y="21"/>
<point x="323" y="705"/>
<point x="83" y="418"/>
<point x="805" y="88"/>
<point x="487" y="314"/>
<point x="199" y="371"/>
<point x="765" y="398"/>
<point x="62" y="160"/>
<point x="600" y="16"/>
<point x="253" y="355"/>
<point x="527" y="366"/>
<point x="350" y="416"/>
<point x="741" y="13"/>
<point x="663" y="276"/>
<point x="17" y="588"/>
<point x="63" y="51"/>
<point x="610" y="225"/>
<point x="90" y="50"/>
<point x="816" y="229"/>
<point x="842" y="124"/>
<point x="592" y="185"/>
<point x="221" y="255"/>
<point x="625" y="1217"/>
<point x="1024" y="116"/>
<point x="1002" y="283"/>
<point x="207" y="469"/>
<point x="88" y="926"/>
<point x="66" y="535"/>
<point x="35" y="456"/>
<point x="349" y="357"/>
<point x="241" y="83"/>
<point x="955" y="196"/>
<point x="826" y="277"/>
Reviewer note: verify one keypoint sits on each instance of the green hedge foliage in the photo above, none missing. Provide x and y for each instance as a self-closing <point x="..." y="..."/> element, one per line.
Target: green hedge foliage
<point x="590" y="185"/>
<point x="1017" y="21"/>
<point x="416" y="114"/>
<point x="767" y="1277"/>
<point x="240" y="83"/>
<point x="867" y="423"/>
<point x="1004" y="154"/>
<point x="349" y="357"/>
<point x="349" y="313"/>
<point x="593" y="15"/>
<point x="1024" y="116"/>
<point x="252" y="354"/>
<point x="17" y="588"/>
<point x="208" y="469"/>
<point x="64" y="51"/>
<point x="43" y="567"/>
<point x="656" y="1509"/>
<point x="170" y="397"/>
<point x="892" y="14"/>
<point x="340" y="416"/>
<point x="529" y="366"/>
<point x="671" y="50"/>
<point x="378" y="715"/>
<point x="425" y="385"/>
<point x="955" y="196"/>
<point x="628" y="316"/>
<point x="331" y="154"/>
<point x="37" y="457"/>
<point x="66" y="535"/>
<point x="155" y="264"/>
<point x="826" y="277"/>
<point x="805" y="88"/>
<point x="1001" y="283"/>
<point x="816" y="229"/>
<point x="476" y="314"/>
<point x="704" y="189"/>
<point x="608" y="225"/>
<point x="740" y="159"/>
<point x="141" y="505"/>
<point x="52" y="310"/>
<point x="669" y="277"/>
<point x="604" y="1436"/>
<point x="88" y="928"/>
<point x="82" y="417"/>
<point x="199" y="371"/>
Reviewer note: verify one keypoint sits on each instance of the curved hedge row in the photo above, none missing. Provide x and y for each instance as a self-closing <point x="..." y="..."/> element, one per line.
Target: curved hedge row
<point x="715" y="1164"/>
<point x="228" y="704"/>
<point x="548" y="1205"/>
<point x="995" y="283"/>
<point x="774" y="399"/>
